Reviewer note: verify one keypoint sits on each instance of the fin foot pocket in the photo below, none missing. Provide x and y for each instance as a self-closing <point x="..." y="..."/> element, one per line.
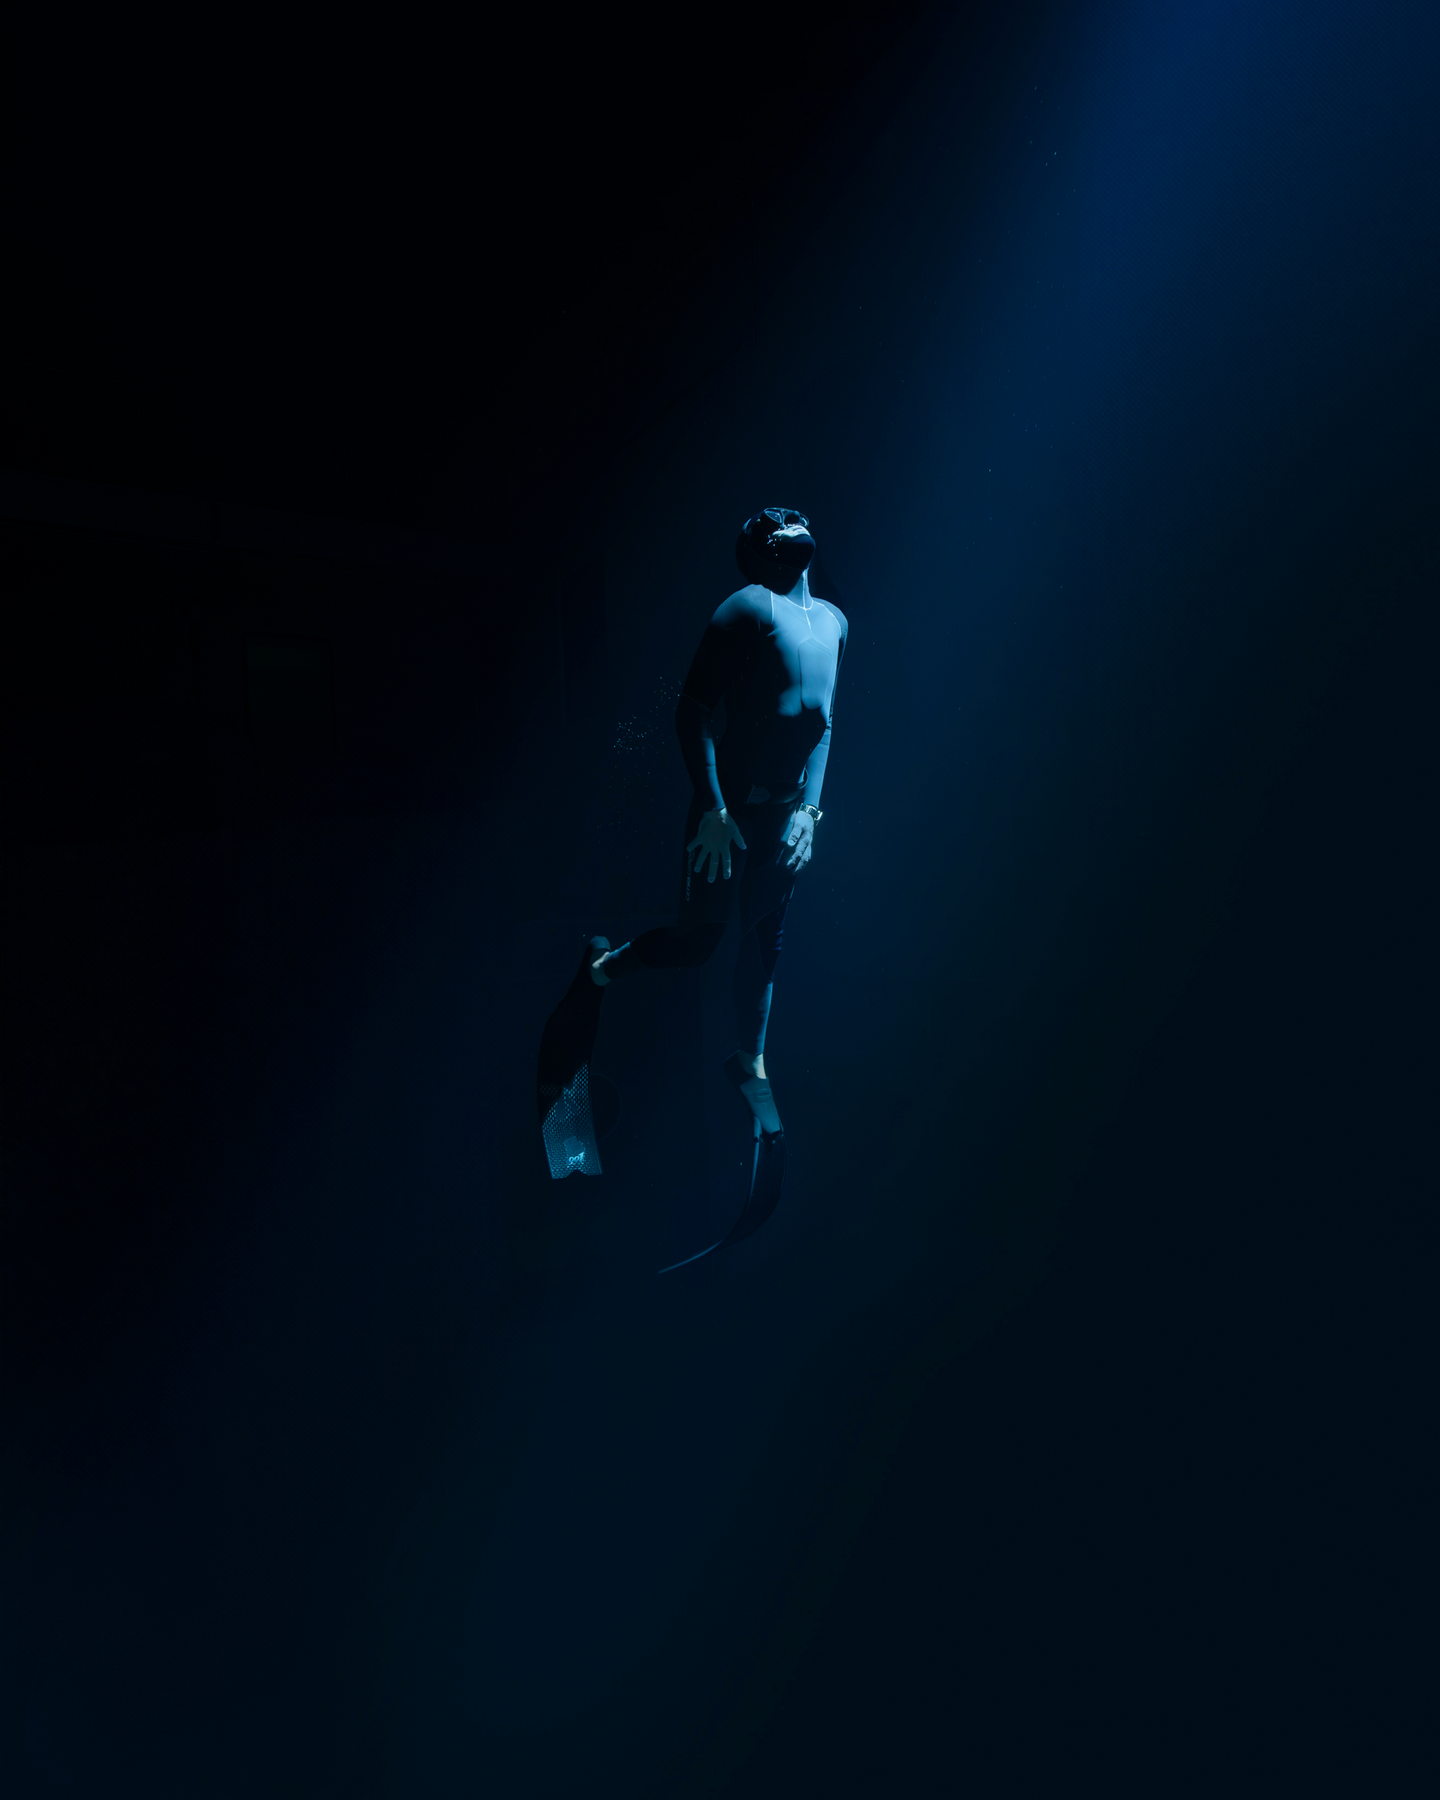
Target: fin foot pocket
<point x="755" y="1091"/>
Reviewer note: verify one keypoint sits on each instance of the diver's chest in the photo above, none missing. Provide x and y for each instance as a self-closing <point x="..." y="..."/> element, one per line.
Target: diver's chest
<point x="801" y="654"/>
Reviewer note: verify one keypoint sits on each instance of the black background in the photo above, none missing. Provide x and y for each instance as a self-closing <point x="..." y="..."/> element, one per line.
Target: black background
<point x="380" y="403"/>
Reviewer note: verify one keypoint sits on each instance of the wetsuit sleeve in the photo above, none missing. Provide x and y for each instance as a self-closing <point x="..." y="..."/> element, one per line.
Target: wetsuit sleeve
<point x="820" y="755"/>
<point x="697" y="746"/>
<point x="712" y="675"/>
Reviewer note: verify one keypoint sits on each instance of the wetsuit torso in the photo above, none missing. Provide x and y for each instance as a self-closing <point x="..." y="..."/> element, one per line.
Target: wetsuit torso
<point x="773" y="662"/>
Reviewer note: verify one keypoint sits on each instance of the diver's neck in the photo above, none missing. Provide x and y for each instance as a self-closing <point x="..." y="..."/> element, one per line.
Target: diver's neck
<point x="799" y="595"/>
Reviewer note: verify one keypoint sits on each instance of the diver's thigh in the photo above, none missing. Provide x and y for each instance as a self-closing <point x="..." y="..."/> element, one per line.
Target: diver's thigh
<point x="767" y="883"/>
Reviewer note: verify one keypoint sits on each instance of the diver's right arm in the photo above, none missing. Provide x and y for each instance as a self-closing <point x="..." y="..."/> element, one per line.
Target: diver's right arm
<point x="693" y="726"/>
<point x="705" y="686"/>
<point x="717" y="830"/>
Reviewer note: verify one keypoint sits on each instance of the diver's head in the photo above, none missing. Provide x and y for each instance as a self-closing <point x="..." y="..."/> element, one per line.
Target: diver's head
<point x="774" y="548"/>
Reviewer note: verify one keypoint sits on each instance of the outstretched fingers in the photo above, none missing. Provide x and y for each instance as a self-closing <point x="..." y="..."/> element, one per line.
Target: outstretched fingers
<point x="736" y="839"/>
<point x="711" y="844"/>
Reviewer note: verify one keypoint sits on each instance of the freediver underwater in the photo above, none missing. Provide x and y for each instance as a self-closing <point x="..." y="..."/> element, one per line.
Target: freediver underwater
<point x="754" y="719"/>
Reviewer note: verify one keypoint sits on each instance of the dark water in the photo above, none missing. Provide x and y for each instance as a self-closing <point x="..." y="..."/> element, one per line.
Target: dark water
<point x="1063" y="1429"/>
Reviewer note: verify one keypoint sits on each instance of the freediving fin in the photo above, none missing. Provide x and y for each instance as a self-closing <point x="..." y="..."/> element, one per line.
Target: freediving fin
<point x="562" y="1077"/>
<point x="767" y="1177"/>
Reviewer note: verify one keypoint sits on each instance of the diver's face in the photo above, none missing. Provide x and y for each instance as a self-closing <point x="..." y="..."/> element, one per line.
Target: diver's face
<point x="793" y="561"/>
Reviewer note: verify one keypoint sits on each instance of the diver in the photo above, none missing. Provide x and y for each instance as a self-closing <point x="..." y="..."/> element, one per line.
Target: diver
<point x="754" y="722"/>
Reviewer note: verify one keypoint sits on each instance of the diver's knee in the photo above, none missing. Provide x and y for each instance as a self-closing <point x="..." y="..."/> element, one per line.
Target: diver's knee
<point x="698" y="943"/>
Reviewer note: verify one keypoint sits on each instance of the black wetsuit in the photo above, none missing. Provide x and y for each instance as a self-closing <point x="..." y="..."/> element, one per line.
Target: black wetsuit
<point x="772" y="664"/>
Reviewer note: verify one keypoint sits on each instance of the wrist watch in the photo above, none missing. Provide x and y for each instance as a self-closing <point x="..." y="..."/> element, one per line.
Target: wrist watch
<point x="814" y="811"/>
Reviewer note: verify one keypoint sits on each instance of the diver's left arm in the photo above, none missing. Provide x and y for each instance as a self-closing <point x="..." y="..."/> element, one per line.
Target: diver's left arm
<point x="801" y="836"/>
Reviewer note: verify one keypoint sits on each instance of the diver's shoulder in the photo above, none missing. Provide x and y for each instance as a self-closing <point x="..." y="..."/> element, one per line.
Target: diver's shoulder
<point x="751" y="602"/>
<point x="835" y="613"/>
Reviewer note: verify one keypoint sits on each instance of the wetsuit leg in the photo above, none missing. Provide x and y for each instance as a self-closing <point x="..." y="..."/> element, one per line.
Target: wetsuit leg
<point x="666" y="947"/>
<point x="763" y="900"/>
<point x="764" y="897"/>
<point x="765" y="892"/>
<point x="755" y="980"/>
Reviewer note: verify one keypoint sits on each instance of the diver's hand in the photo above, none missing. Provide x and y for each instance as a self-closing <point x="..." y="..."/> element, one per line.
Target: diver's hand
<point x="712" y="843"/>
<point x="800" y="838"/>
